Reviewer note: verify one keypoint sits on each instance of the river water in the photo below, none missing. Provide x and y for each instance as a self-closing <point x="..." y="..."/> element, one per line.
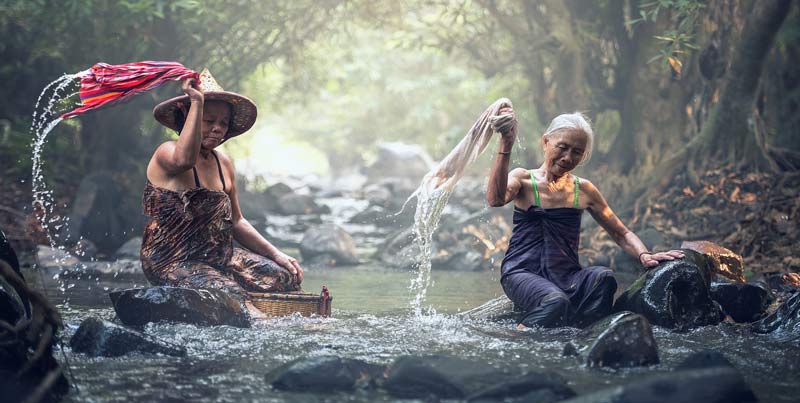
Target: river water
<point x="372" y="320"/>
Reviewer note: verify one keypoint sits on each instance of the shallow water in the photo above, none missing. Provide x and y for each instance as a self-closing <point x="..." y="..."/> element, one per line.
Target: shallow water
<point x="373" y="321"/>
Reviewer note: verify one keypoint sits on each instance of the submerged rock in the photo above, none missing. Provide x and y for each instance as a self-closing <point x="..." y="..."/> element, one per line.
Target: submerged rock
<point x="100" y="338"/>
<point x="743" y="302"/>
<point x="329" y="244"/>
<point x="722" y="260"/>
<point x="712" y="385"/>
<point x="674" y="294"/>
<point x="324" y="374"/>
<point x="532" y="387"/>
<point x="205" y="307"/>
<point x="497" y="309"/>
<point x="445" y="377"/>
<point x="784" y="323"/>
<point x="705" y="359"/>
<point x="621" y="340"/>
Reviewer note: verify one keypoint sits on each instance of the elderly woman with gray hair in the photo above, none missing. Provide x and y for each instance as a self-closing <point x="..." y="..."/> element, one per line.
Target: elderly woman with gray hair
<point x="540" y="272"/>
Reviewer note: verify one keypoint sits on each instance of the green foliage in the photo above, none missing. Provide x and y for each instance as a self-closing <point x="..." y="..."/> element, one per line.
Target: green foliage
<point x="679" y="39"/>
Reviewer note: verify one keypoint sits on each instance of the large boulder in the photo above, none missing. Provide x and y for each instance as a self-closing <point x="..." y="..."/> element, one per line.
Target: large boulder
<point x="711" y="385"/>
<point x="398" y="159"/>
<point x="621" y="340"/>
<point x="675" y="294"/>
<point x="324" y="374"/>
<point x="784" y="323"/>
<point x="328" y="244"/>
<point x="444" y="377"/>
<point x="744" y="303"/>
<point x="204" y="307"/>
<point x="100" y="338"/>
<point x="722" y="260"/>
<point x="399" y="250"/>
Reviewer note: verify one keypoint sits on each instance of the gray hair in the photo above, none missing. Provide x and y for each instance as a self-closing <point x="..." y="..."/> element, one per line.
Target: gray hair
<point x="573" y="121"/>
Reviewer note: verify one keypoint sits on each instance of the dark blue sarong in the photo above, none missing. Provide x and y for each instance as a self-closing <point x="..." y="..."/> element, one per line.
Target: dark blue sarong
<point x="542" y="276"/>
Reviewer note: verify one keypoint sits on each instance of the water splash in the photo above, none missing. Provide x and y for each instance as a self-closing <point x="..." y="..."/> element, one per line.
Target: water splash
<point x="436" y="187"/>
<point x="46" y="116"/>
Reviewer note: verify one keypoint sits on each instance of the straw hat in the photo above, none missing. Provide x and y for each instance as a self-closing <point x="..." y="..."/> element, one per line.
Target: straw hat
<point x="244" y="110"/>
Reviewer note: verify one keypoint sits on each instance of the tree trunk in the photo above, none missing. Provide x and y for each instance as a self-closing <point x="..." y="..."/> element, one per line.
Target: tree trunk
<point x="727" y="134"/>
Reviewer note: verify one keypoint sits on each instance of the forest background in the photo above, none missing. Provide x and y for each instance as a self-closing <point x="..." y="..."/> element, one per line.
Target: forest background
<point x="695" y="103"/>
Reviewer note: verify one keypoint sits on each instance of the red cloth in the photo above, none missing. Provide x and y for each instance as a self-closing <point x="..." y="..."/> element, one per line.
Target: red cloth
<point x="104" y="84"/>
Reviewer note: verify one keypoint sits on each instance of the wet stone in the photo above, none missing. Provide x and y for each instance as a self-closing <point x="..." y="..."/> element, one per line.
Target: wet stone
<point x="621" y="340"/>
<point x="100" y="338"/>
<point x="705" y="359"/>
<point x="203" y="307"/>
<point x="674" y="294"/>
<point x="784" y="323"/>
<point x="131" y="249"/>
<point x="329" y="243"/>
<point x="447" y="377"/>
<point x="744" y="303"/>
<point x="711" y="385"/>
<point x="324" y="374"/>
<point x="722" y="260"/>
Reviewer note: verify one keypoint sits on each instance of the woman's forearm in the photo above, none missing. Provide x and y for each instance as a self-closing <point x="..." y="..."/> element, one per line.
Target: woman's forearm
<point x="246" y="234"/>
<point x="190" y="139"/>
<point x="631" y="244"/>
<point x="498" y="176"/>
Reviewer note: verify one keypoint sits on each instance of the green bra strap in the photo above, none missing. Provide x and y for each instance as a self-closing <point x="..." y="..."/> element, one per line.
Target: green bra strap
<point x="577" y="190"/>
<point x="535" y="190"/>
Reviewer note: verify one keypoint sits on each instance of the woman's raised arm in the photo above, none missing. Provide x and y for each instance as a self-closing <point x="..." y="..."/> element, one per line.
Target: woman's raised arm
<point x="183" y="155"/>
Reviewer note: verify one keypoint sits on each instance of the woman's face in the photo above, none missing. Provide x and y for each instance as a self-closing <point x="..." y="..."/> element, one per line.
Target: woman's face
<point x="214" y="128"/>
<point x="564" y="150"/>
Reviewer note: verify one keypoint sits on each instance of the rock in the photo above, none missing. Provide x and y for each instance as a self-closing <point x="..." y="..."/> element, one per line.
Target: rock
<point x="378" y="195"/>
<point x="131" y="249"/>
<point x="712" y="385"/>
<point x="13" y="306"/>
<point x="675" y="294"/>
<point x="461" y="259"/>
<point x="621" y="340"/>
<point x="48" y="257"/>
<point x="324" y="374"/>
<point x="101" y="213"/>
<point x="399" y="250"/>
<point x="278" y="190"/>
<point x="784" y="323"/>
<point x="705" y="359"/>
<point x="331" y="243"/>
<point x="783" y="282"/>
<point x="497" y="309"/>
<point x="744" y="303"/>
<point x="398" y="159"/>
<point x="297" y="204"/>
<point x="445" y="377"/>
<point x="532" y="387"/>
<point x="723" y="261"/>
<point x="100" y="338"/>
<point x="204" y="307"/>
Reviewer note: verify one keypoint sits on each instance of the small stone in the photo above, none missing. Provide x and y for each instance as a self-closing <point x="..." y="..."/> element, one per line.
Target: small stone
<point x="324" y="374"/>
<point x="100" y="338"/>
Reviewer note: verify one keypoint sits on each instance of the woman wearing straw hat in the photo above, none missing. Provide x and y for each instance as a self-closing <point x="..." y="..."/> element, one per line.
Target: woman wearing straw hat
<point x="191" y="201"/>
<point x="540" y="272"/>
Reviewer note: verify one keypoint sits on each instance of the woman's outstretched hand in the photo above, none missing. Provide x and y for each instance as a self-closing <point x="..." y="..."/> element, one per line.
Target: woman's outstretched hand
<point x="649" y="260"/>
<point x="189" y="86"/>
<point x="289" y="263"/>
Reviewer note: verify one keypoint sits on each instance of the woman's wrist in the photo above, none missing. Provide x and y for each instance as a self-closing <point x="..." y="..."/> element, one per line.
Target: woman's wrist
<point x="642" y="254"/>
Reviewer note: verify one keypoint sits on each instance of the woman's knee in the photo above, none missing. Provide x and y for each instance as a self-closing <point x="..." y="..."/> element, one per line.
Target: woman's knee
<point x="554" y="310"/>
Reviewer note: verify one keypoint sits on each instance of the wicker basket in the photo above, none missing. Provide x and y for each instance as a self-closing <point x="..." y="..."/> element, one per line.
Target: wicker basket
<point x="288" y="303"/>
